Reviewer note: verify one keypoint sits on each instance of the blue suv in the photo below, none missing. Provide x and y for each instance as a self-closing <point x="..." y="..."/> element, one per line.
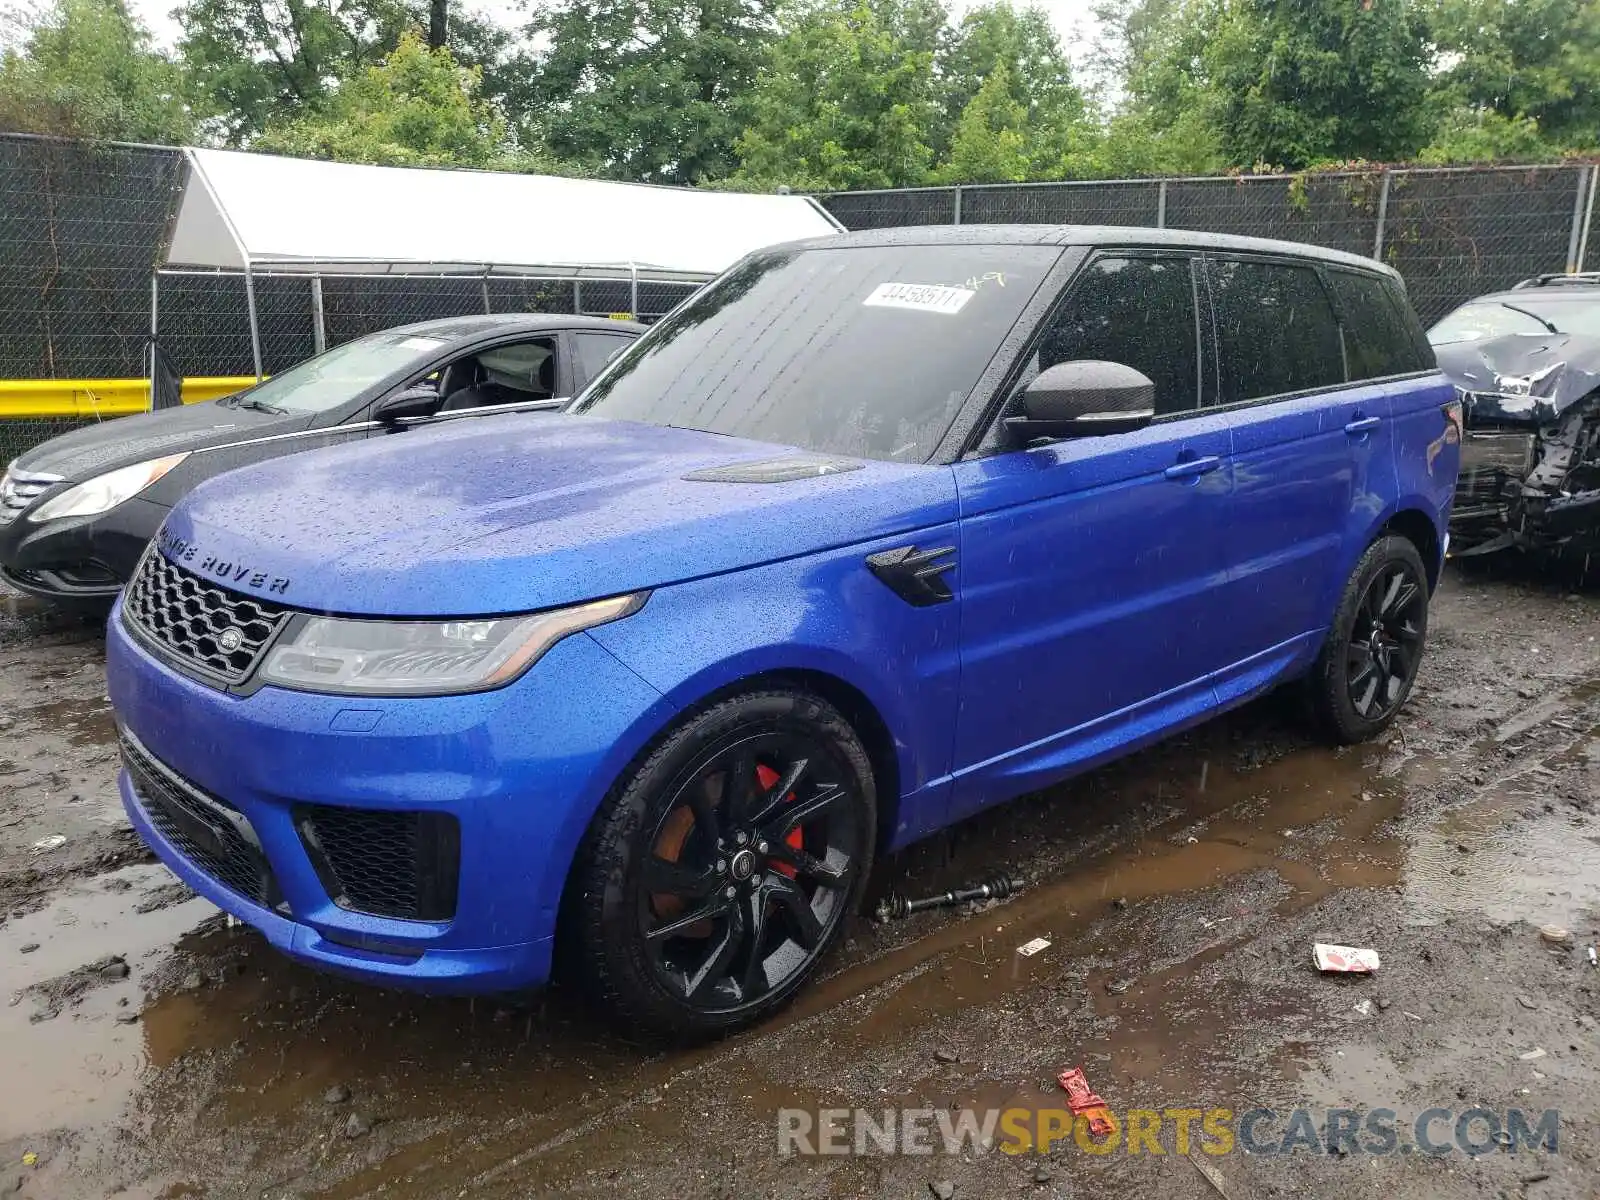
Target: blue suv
<point x="873" y="533"/>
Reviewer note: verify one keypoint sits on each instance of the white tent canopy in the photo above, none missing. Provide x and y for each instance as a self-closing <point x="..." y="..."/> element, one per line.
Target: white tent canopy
<point x="243" y="212"/>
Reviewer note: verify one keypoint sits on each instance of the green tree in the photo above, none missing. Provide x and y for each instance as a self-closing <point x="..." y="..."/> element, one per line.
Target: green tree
<point x="995" y="37"/>
<point x="1534" y="59"/>
<point x="1297" y="82"/>
<point x="87" y="69"/>
<point x="650" y="90"/>
<point x="1286" y="83"/>
<point x="1465" y="136"/>
<point x="1165" y="119"/>
<point x="846" y="100"/>
<point x="260" y="62"/>
<point x="417" y="108"/>
<point x="991" y="139"/>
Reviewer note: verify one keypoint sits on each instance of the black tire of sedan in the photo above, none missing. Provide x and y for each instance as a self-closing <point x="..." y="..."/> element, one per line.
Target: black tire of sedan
<point x="725" y="865"/>
<point x="1370" y="658"/>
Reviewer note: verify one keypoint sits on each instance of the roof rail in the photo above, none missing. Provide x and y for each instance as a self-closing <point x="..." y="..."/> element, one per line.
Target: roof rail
<point x="1590" y="278"/>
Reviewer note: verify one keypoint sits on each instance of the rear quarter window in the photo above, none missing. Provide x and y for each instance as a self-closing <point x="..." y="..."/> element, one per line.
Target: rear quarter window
<point x="1276" y="329"/>
<point x="1381" y="334"/>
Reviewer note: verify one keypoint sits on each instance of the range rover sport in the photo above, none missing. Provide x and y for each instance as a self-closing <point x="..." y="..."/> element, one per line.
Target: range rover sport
<point x="873" y="533"/>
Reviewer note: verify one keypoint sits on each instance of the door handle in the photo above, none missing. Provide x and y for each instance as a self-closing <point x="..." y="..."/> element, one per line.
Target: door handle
<point x="1362" y="425"/>
<point x="1193" y="468"/>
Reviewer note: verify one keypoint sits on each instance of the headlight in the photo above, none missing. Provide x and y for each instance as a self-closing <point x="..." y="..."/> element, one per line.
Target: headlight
<point x="427" y="658"/>
<point x="105" y="492"/>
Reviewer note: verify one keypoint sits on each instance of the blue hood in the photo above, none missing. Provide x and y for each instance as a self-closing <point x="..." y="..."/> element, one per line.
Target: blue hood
<point x="523" y="511"/>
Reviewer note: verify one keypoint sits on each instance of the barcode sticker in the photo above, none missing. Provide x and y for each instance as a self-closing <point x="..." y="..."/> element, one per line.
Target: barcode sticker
<point x="926" y="297"/>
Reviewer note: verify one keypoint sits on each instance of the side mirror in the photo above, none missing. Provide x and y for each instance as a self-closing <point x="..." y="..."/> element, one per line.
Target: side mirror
<point x="419" y="401"/>
<point x="1078" y="399"/>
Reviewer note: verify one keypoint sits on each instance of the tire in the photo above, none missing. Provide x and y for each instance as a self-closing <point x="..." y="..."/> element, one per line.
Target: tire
<point x="704" y="907"/>
<point x="1370" y="658"/>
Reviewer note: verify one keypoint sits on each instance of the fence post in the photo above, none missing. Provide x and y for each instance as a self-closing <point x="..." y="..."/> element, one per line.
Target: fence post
<point x="319" y="329"/>
<point x="484" y="284"/>
<point x="255" y="331"/>
<point x="577" y="297"/>
<point x="1575" y="236"/>
<point x="1383" y="216"/>
<point x="633" y="291"/>
<point x="1161" y="205"/>
<point x="155" y="309"/>
<point x="956" y="215"/>
<point x="1588" y="215"/>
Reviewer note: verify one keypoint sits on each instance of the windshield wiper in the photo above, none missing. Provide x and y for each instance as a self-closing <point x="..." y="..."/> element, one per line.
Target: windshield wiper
<point x="260" y="406"/>
<point x="1533" y="315"/>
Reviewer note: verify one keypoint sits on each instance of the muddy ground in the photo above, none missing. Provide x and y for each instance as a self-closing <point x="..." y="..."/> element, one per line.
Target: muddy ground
<point x="150" y="1050"/>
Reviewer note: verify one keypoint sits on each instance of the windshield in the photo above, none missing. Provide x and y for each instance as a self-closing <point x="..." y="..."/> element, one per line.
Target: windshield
<point x="866" y="351"/>
<point x="337" y="376"/>
<point x="1536" y="314"/>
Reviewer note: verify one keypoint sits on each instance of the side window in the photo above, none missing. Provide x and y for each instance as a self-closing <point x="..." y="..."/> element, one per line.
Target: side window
<point x="595" y="350"/>
<point x="1276" y="331"/>
<point x="502" y="375"/>
<point x="1138" y="311"/>
<point x="1378" y="339"/>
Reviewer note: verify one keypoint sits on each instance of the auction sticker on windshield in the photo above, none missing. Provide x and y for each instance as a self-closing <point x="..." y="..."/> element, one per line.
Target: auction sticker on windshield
<point x="928" y="297"/>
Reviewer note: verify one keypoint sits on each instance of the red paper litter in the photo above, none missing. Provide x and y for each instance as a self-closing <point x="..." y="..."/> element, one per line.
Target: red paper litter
<point x="1082" y="1100"/>
<point x="1349" y="959"/>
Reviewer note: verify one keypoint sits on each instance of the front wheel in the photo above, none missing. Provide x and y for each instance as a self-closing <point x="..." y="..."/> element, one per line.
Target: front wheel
<point x="724" y="868"/>
<point x="1373" y="650"/>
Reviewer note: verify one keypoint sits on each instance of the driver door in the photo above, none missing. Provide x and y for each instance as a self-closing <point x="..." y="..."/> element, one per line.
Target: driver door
<point x="1090" y="566"/>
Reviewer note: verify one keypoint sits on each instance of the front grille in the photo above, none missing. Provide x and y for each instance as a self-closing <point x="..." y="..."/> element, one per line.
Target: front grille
<point x="214" y="836"/>
<point x="384" y="863"/>
<point x="218" y="632"/>
<point x="19" y="489"/>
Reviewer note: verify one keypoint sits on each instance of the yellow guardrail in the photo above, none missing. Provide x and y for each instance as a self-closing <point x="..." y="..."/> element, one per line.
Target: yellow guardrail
<point x="87" y="398"/>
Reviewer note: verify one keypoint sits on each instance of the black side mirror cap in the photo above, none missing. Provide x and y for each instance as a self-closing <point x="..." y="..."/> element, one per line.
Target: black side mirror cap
<point x="1082" y="399"/>
<point x="419" y="401"/>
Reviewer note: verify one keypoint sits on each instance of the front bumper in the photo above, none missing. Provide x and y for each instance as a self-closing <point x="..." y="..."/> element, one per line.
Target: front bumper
<point x="520" y="770"/>
<point x="82" y="561"/>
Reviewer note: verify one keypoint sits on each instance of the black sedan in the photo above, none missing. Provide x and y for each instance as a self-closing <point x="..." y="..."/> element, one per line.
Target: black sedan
<point x="77" y="511"/>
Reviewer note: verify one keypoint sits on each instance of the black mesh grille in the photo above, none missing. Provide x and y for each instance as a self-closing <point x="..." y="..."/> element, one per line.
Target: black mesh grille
<point x="212" y="835"/>
<point x="388" y="864"/>
<point x="220" y="633"/>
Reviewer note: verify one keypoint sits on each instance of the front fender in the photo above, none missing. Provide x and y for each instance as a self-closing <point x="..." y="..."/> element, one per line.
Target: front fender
<point x="823" y="613"/>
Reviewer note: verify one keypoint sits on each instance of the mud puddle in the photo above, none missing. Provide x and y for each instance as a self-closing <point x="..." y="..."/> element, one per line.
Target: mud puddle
<point x="96" y="947"/>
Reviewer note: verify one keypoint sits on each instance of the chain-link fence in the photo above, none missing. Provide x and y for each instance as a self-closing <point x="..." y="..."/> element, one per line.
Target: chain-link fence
<point x="1452" y="232"/>
<point x="204" y="323"/>
<point x="82" y="228"/>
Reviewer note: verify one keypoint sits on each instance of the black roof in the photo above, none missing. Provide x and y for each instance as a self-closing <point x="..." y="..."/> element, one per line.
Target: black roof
<point x="1090" y="235"/>
<point x="483" y="324"/>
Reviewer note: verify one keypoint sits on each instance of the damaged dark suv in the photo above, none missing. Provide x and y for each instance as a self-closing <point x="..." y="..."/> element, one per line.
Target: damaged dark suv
<point x="1527" y="362"/>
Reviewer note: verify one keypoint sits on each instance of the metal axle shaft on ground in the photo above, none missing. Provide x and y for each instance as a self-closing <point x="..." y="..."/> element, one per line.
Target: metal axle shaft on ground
<point x="895" y="905"/>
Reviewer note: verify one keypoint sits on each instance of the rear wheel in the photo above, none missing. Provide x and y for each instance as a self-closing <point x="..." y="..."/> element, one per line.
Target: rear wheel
<point x="724" y="868"/>
<point x="1373" y="650"/>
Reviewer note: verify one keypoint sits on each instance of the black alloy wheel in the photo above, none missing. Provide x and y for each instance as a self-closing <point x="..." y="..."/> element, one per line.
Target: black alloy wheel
<point x="1374" y="647"/>
<point x="1385" y="645"/>
<point x="726" y="868"/>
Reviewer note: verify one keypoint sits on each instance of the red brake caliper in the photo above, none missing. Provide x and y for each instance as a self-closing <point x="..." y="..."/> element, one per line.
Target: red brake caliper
<point x="766" y="777"/>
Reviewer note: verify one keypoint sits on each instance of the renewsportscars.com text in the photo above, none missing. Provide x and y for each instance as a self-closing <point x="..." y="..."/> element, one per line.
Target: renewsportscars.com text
<point x="1214" y="1131"/>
